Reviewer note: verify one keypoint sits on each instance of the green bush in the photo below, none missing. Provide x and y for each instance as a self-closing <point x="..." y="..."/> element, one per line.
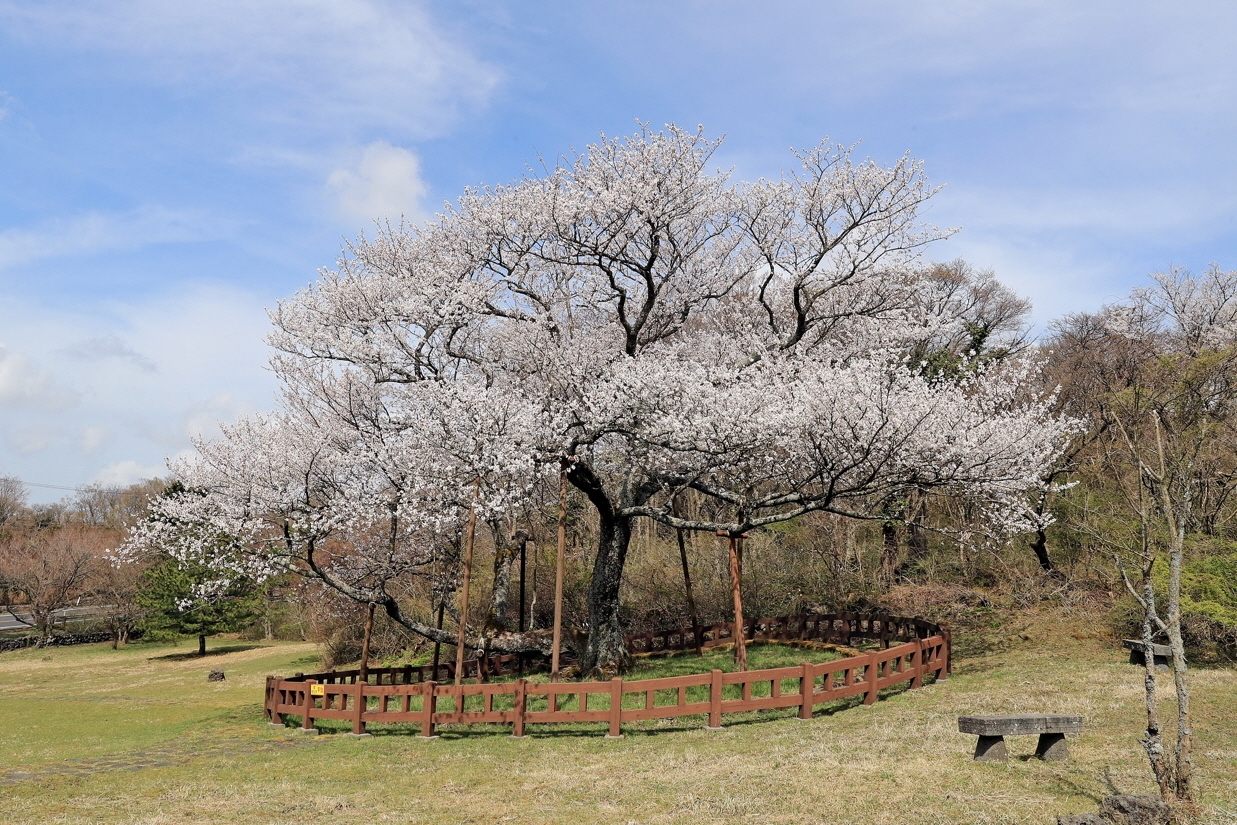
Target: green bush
<point x="1208" y="600"/>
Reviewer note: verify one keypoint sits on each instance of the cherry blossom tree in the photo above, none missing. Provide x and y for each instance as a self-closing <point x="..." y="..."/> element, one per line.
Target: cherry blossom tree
<point x="636" y="318"/>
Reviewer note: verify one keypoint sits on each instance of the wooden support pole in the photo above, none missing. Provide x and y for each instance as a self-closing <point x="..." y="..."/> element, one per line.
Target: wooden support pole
<point x="558" y="572"/>
<point x="740" y="644"/>
<point x="442" y="606"/>
<point x="363" y="676"/>
<point x="468" y="545"/>
<point x="687" y="586"/>
<point x="520" y="624"/>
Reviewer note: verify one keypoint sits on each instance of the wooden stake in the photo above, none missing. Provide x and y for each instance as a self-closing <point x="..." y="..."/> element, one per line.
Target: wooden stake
<point x="363" y="676"/>
<point x="442" y="606"/>
<point x="459" y="645"/>
<point x="740" y="644"/>
<point x="523" y="561"/>
<point x="691" y="600"/>
<point x="558" y="571"/>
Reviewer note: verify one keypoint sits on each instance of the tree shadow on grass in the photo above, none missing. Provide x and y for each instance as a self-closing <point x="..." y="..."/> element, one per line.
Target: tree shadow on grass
<point x="217" y="651"/>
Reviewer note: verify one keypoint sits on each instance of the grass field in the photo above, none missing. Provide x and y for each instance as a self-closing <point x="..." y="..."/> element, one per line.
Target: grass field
<point x="91" y="735"/>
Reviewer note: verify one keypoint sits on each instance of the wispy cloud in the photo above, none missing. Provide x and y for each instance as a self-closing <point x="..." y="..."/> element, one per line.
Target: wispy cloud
<point x="109" y="346"/>
<point x="340" y="64"/>
<point x="96" y="232"/>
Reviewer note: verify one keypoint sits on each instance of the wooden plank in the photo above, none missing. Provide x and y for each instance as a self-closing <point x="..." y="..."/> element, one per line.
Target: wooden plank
<point x="568" y="716"/>
<point x="759" y="703"/>
<point x="665" y="711"/>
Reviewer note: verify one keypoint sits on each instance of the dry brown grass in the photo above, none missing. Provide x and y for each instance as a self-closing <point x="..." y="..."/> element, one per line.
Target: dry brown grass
<point x="901" y="761"/>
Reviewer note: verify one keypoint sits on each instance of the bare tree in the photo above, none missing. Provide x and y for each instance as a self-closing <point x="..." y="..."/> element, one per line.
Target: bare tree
<point x="1176" y="425"/>
<point x="49" y="569"/>
<point x="13" y="497"/>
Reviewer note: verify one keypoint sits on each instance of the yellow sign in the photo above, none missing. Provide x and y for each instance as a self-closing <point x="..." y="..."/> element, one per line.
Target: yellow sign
<point x="317" y="690"/>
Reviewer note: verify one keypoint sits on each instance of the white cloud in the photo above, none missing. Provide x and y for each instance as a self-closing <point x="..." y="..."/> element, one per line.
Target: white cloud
<point x="25" y="385"/>
<point x="124" y="473"/>
<point x="383" y="183"/>
<point x="92" y="438"/>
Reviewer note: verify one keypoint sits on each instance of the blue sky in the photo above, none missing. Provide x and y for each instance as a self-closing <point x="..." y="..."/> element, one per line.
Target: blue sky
<point x="170" y="170"/>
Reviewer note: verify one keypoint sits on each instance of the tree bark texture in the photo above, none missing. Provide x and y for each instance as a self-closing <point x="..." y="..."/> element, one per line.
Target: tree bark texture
<point x="507" y="548"/>
<point x="605" y="653"/>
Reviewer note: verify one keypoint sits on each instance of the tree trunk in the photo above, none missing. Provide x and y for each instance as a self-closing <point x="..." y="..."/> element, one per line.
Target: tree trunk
<point x="201" y="644"/>
<point x="1040" y="547"/>
<point x="890" y="551"/>
<point x="606" y="654"/>
<point x="506" y="550"/>
<point x="1183" y="763"/>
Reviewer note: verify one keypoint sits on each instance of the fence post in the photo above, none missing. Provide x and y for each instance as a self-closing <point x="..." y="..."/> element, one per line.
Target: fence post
<point x="806" y="688"/>
<point x="871" y="675"/>
<point x="947" y="649"/>
<point x="273" y="695"/>
<point x="521" y="707"/>
<point x="308" y="709"/>
<point x="358" y="708"/>
<point x="917" y="680"/>
<point x="715" y="701"/>
<point x="428" y="701"/>
<point x="616" y="708"/>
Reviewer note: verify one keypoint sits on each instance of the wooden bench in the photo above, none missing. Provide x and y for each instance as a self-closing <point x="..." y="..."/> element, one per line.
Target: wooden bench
<point x="992" y="731"/>
<point x="1163" y="654"/>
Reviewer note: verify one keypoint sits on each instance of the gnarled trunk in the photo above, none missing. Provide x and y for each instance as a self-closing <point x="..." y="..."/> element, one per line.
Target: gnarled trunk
<point x="605" y="653"/>
<point x="506" y="550"/>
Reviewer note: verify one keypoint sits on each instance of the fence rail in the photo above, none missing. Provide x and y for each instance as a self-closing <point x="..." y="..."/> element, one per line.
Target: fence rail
<point x="405" y="695"/>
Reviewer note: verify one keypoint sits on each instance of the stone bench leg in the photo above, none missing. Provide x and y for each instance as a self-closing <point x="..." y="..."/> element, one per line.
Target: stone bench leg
<point x="1051" y="747"/>
<point x="990" y="749"/>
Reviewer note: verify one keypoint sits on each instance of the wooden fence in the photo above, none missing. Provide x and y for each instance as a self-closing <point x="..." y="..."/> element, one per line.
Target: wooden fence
<point x="406" y="695"/>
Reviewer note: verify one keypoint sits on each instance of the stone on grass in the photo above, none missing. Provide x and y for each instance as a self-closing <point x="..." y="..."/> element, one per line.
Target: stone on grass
<point x="1125" y="809"/>
<point x="215" y="676"/>
<point x="1081" y="819"/>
